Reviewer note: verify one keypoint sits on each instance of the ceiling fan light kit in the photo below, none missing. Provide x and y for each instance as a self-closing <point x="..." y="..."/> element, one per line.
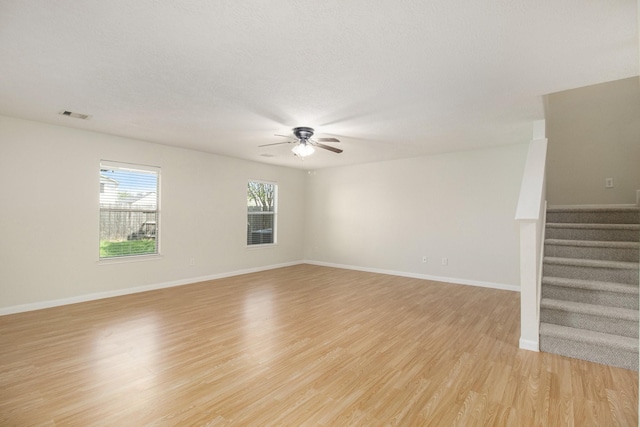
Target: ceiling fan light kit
<point x="303" y="150"/>
<point x="304" y="145"/>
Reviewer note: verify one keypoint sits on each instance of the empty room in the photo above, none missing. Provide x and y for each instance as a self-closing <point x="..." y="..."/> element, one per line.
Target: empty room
<point x="298" y="213"/>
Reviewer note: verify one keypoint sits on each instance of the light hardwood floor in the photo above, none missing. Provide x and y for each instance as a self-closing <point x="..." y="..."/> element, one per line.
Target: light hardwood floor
<point x="298" y="346"/>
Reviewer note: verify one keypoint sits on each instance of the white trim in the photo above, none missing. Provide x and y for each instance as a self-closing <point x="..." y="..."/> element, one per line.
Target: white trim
<point x="131" y="167"/>
<point x="530" y="213"/>
<point x="116" y="293"/>
<point x="125" y="259"/>
<point x="276" y="228"/>
<point x="529" y="345"/>
<point x="543" y="227"/>
<point x="532" y="187"/>
<point x="453" y="280"/>
<point x="260" y="246"/>
<point x="139" y="168"/>
<point x="539" y="129"/>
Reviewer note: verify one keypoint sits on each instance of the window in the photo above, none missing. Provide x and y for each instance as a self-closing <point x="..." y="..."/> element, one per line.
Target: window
<point x="261" y="212"/>
<point x="129" y="210"/>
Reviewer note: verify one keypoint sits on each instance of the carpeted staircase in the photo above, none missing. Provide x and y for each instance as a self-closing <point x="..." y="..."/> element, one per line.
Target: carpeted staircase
<point x="589" y="306"/>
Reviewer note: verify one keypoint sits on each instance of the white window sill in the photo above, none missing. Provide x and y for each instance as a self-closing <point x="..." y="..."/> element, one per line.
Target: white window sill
<point x="128" y="259"/>
<point x="262" y="246"/>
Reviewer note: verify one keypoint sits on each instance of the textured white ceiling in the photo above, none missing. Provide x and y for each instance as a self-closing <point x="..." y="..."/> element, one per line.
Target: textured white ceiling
<point x="390" y="78"/>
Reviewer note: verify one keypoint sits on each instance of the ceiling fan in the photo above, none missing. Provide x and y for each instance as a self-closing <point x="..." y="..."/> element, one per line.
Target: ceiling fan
<point x="305" y="146"/>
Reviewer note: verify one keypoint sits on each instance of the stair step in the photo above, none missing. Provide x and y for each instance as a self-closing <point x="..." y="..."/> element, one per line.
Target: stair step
<point x="591" y="309"/>
<point x="593" y="263"/>
<point x="593" y="208"/>
<point x="597" y="226"/>
<point x="593" y="249"/>
<point x="591" y="337"/>
<point x="592" y="285"/>
<point x="593" y="243"/>
<point x="593" y="346"/>
<point x="591" y="269"/>
<point x="591" y="292"/>
<point x="596" y="214"/>
<point x="610" y="320"/>
<point x="593" y="231"/>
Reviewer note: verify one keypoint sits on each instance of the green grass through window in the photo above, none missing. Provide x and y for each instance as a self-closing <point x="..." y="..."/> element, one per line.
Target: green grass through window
<point x="131" y="247"/>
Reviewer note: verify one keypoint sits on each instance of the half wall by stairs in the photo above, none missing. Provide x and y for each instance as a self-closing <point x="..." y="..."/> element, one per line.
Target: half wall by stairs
<point x="590" y="280"/>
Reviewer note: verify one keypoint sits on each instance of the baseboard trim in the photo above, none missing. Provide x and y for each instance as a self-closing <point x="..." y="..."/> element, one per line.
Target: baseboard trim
<point x="454" y="280"/>
<point x="187" y="281"/>
<point x="529" y="345"/>
<point x="120" y="292"/>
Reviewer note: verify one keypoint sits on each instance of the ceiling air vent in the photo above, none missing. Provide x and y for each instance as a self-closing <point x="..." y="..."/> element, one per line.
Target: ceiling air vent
<point x="75" y="115"/>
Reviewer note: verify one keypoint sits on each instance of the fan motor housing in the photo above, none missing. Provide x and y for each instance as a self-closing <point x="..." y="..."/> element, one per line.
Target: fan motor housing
<point x="303" y="132"/>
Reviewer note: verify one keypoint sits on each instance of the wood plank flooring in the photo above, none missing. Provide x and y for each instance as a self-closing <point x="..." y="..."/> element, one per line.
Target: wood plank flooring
<point x="298" y="346"/>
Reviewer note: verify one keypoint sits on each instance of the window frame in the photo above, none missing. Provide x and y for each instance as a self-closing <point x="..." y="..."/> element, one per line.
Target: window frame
<point x="133" y="167"/>
<point x="274" y="214"/>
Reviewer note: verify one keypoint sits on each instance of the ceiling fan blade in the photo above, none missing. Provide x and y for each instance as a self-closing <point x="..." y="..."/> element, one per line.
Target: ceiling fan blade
<point x="327" y="147"/>
<point x="275" y="143"/>
<point x="284" y="136"/>
<point x="328" y="139"/>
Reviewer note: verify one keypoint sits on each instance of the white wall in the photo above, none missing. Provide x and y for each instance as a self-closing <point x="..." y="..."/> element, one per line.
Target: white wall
<point x="594" y="133"/>
<point x="382" y="216"/>
<point x="386" y="216"/>
<point x="49" y="193"/>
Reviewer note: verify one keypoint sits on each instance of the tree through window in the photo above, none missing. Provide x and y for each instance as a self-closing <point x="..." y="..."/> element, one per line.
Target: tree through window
<point x="261" y="212"/>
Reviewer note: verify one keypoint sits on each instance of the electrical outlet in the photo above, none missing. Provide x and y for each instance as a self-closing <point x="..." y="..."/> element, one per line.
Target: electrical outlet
<point x="445" y="261"/>
<point x="425" y="259"/>
<point x="608" y="183"/>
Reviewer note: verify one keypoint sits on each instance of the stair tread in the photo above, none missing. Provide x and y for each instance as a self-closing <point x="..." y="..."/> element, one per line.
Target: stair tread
<point x="590" y="243"/>
<point x="602" y="208"/>
<point x="593" y="243"/>
<point x="591" y="285"/>
<point x="589" y="337"/>
<point x="590" y="309"/>
<point x="579" y="262"/>
<point x="585" y="225"/>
